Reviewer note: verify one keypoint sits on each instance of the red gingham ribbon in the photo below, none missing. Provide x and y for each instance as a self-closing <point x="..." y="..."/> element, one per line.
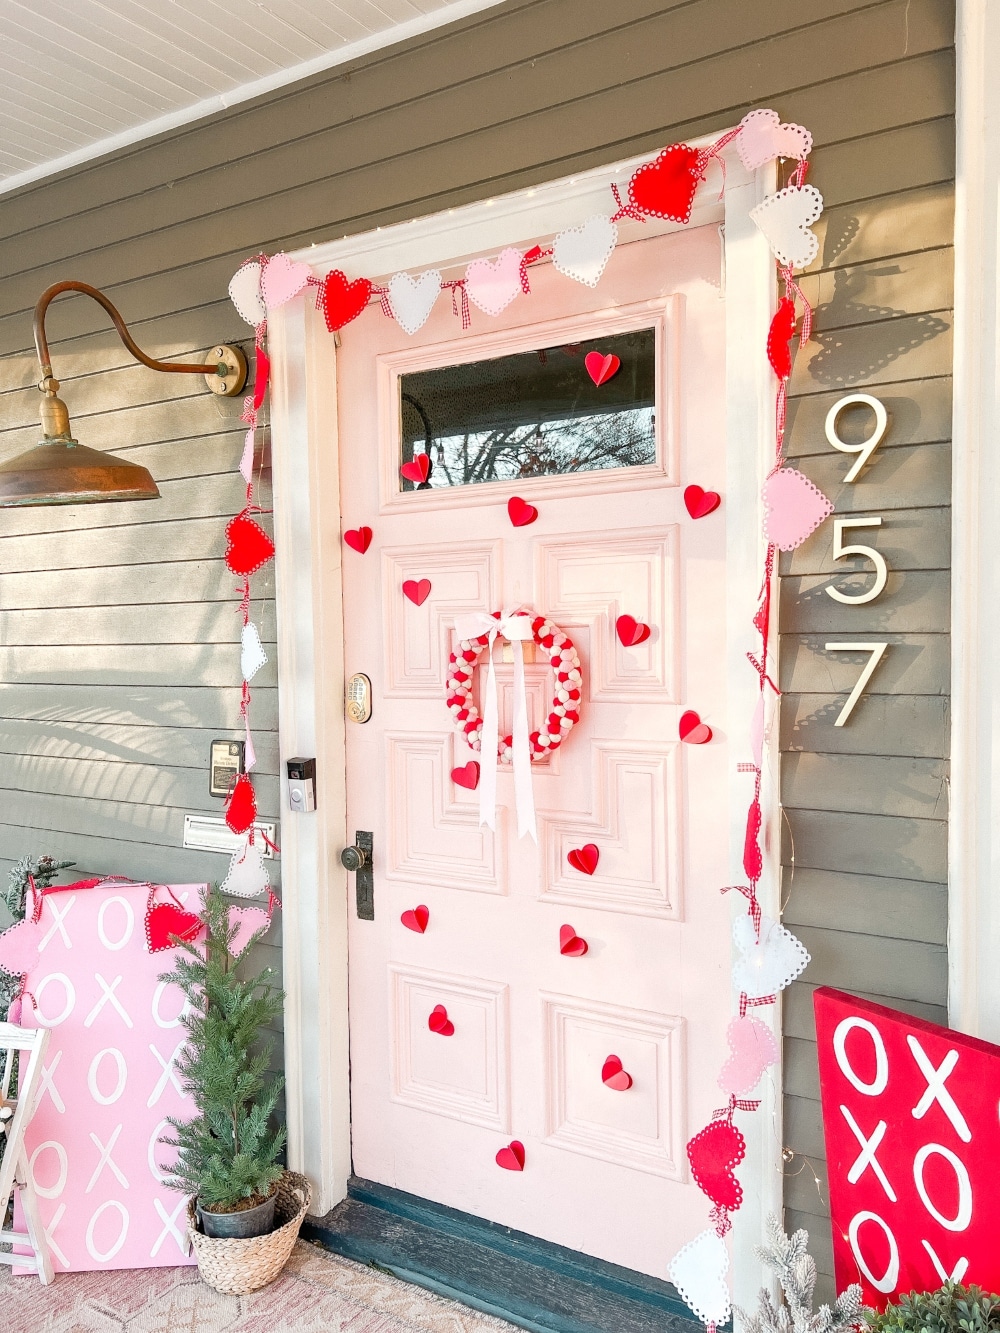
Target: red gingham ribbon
<point x="456" y="285"/>
<point x="383" y="299"/>
<point x="531" y="256"/>
<point x="625" y="210"/>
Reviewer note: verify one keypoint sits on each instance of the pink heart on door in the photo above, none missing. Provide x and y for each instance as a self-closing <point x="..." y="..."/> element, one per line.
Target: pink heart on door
<point x="753" y="1049"/>
<point x="492" y="285"/>
<point x="511" y="1158"/>
<point x="600" y="367"/>
<point x="571" y="945"/>
<point x="417" y="590"/>
<point x="416" y="918"/>
<point x="439" y="1022"/>
<point x="467" y="776"/>
<point x="614" y="1076"/>
<point x="692" y="730"/>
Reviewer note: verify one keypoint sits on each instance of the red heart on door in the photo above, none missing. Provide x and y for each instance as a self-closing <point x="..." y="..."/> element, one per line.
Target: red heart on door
<point x="439" y="1022"/>
<point x="614" y="1076"/>
<point x="570" y="943"/>
<point x="417" y="591"/>
<point x="164" y="920"/>
<point x="342" y="301"/>
<point x="631" y="631"/>
<point x="665" y="187"/>
<point x="601" y="367"/>
<point x="467" y="776"/>
<point x="699" y="503"/>
<point x="779" y="335"/>
<point x="692" y="730"/>
<point x="359" y="539"/>
<point x="418" y="471"/>
<point x="521" y="513"/>
<point x="248" y="545"/>
<point x="242" y="808"/>
<point x="714" y="1152"/>
<point x="416" y="918"/>
<point x="511" y="1158"/>
<point x="585" y="858"/>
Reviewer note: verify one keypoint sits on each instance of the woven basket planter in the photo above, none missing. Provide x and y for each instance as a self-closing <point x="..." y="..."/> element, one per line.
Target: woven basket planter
<point x="237" y="1267"/>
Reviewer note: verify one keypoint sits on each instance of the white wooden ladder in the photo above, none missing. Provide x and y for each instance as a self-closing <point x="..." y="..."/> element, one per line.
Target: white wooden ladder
<point x="14" y="1170"/>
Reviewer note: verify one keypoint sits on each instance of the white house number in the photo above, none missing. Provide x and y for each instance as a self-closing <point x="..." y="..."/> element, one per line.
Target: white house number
<point x="864" y="451"/>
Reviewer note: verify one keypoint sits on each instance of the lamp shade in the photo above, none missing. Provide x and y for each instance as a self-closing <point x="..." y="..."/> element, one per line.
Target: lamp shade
<point x="60" y="471"/>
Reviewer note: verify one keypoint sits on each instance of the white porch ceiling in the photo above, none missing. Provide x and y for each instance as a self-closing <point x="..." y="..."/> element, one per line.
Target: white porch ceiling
<point x="79" y="78"/>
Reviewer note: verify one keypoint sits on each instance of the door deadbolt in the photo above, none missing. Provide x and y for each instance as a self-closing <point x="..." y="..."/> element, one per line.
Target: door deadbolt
<point x="359" y="698"/>
<point x="359" y="859"/>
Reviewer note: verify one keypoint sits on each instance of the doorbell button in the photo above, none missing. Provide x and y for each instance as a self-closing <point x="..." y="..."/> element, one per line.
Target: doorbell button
<point x="301" y="785"/>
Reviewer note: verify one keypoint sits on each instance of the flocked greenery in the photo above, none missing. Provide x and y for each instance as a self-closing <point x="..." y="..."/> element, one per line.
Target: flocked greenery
<point x="795" y="1270"/>
<point x="951" y="1309"/>
<point x="43" y="870"/>
<point x="229" y="1152"/>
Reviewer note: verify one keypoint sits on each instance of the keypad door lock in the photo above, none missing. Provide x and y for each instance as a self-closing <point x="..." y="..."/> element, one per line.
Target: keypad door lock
<point x="359" y="860"/>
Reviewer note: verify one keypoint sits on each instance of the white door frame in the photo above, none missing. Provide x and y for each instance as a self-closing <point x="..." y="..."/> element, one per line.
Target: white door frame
<point x="308" y="590"/>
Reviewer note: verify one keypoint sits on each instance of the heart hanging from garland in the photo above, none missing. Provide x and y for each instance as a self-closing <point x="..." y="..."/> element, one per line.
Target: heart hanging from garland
<point x="242" y="808"/>
<point x="249" y="547"/>
<point x="779" y="335"/>
<point x="165" y="920"/>
<point x="341" y="300"/>
<point x="714" y="1154"/>
<point x="665" y="188"/>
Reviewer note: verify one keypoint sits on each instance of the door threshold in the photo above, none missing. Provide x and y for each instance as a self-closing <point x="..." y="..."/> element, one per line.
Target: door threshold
<point x="509" y="1274"/>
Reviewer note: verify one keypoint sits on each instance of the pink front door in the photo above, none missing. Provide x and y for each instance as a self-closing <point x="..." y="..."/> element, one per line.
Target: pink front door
<point x="529" y="1034"/>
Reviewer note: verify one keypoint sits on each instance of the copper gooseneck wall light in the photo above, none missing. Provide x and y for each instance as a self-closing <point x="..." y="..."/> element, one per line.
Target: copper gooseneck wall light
<point x="58" y="470"/>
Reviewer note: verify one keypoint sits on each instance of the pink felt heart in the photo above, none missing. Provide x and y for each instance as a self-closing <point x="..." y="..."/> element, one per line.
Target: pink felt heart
<point x="753" y="1049"/>
<point x="416" y="918"/>
<point x="631" y="631"/>
<point x="665" y="187"/>
<point x="417" y="590"/>
<point x="418" y="471"/>
<point x="600" y="367"/>
<point x="164" y="920"/>
<point x="358" y="539"/>
<point x="511" y="1158"/>
<point x="262" y="373"/>
<point x="439" y="1022"/>
<point x="763" y="137"/>
<point x="467" y="776"/>
<point x="492" y="285"/>
<point x="779" y="335"/>
<point x="698" y="502"/>
<point x="584" y="858"/>
<point x="570" y="943"/>
<point x="692" y="730"/>
<point x="614" y="1076"/>
<point x="785" y="220"/>
<point x="341" y="301"/>
<point x="248" y="922"/>
<point x="248" y="545"/>
<point x="794" y="508"/>
<point x="283" y="278"/>
<point x="241" y="811"/>
<point x="714" y="1153"/>
<point x="19" y="948"/>
<point x="521" y="513"/>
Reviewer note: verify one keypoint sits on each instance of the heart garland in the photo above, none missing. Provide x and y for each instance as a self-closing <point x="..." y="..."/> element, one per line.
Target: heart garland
<point x="714" y="1154"/>
<point x="794" y="508"/>
<point x="665" y="188"/>
<point x="165" y="921"/>
<point x="248" y="545"/>
<point x="341" y="300"/>
<point x="241" y="808"/>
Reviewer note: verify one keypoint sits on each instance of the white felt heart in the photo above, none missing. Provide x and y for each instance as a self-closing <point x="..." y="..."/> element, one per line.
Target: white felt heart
<point x="492" y="285"/>
<point x="246" y="459"/>
<point x="769" y="963"/>
<point x="698" y="1271"/>
<point x="247" y="874"/>
<point x="252" y="655"/>
<point x="794" y="508"/>
<point x="247" y="922"/>
<point x="785" y="219"/>
<point x="412" y="299"/>
<point x="583" y="252"/>
<point x="283" y="278"/>
<point x="763" y="137"/>
<point x="244" y="292"/>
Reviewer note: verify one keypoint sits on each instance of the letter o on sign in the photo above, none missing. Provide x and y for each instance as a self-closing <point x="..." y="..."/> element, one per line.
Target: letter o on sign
<point x="881" y="1079"/>
<point x="887" y="1282"/>
<point x="963" y="1217"/>
<point x="50" y="1191"/>
<point x="103" y="1256"/>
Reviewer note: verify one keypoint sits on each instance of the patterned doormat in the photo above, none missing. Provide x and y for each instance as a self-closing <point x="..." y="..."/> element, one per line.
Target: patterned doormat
<point x="317" y="1293"/>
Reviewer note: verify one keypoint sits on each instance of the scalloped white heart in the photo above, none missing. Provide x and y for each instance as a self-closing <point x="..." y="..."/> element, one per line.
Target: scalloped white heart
<point x="245" y="293"/>
<point x="698" y="1271"/>
<point x="763" y="137"/>
<point x="412" y="299"/>
<point x="769" y="963"/>
<point x="247" y="875"/>
<point x="582" y="253"/>
<point x="785" y="219"/>
<point x="252" y="655"/>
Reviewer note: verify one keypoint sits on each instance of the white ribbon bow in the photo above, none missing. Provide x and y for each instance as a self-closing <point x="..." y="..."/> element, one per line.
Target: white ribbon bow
<point x="515" y="628"/>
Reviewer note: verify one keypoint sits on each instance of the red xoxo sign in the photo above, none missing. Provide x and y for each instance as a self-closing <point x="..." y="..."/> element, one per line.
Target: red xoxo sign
<point x="910" y="1114"/>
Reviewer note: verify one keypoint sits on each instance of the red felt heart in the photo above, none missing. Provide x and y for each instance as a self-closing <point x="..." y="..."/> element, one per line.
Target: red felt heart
<point x="665" y="187"/>
<point x="779" y="335"/>
<point x="417" y="591"/>
<point x="341" y="301"/>
<point x="699" y="502"/>
<point x="467" y="776"/>
<point x="511" y="1158"/>
<point x="248" y="547"/>
<point x="521" y="514"/>
<point x="714" y="1152"/>
<point x="242" y="808"/>
<point x="753" y="861"/>
<point x="631" y="631"/>
<point x="262" y="373"/>
<point x="614" y="1076"/>
<point x="418" y="471"/>
<point x="570" y="943"/>
<point x="601" y="367"/>
<point x="439" y="1022"/>
<point x="164" y="920"/>
<point x="359" y="539"/>
<point x="585" y="858"/>
<point x="416" y="919"/>
<point x="692" y="730"/>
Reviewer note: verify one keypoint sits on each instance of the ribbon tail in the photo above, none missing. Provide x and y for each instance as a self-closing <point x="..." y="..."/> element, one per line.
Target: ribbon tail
<point x="490" y="748"/>
<point x="522" y="753"/>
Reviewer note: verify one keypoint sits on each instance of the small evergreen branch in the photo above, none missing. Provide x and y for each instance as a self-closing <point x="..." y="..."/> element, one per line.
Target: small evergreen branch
<point x="951" y="1309"/>
<point x="795" y="1269"/>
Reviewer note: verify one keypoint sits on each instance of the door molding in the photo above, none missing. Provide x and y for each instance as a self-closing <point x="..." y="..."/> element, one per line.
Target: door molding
<point x="308" y="590"/>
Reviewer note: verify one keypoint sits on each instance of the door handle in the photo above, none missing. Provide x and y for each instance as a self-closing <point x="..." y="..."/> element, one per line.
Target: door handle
<point x="358" y="858"/>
